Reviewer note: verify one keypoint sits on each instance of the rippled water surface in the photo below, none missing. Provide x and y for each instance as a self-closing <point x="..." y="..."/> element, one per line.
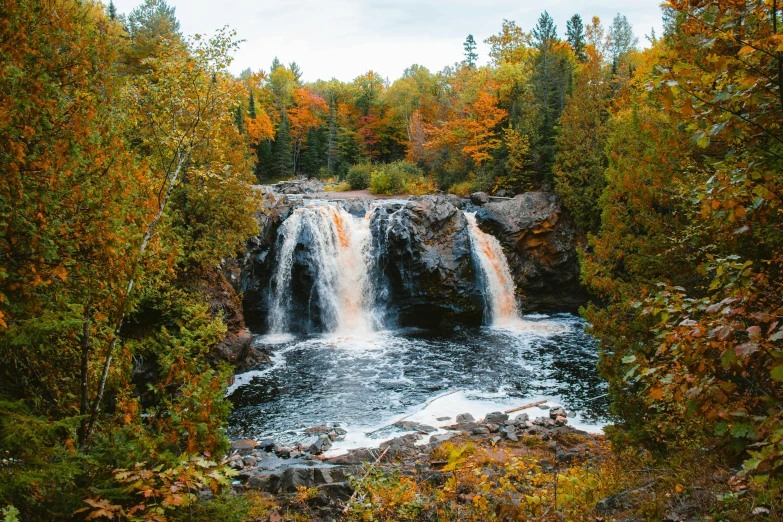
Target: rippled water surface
<point x="367" y="382"/>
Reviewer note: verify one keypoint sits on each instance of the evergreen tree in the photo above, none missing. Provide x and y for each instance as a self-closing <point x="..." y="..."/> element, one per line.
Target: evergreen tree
<point x="470" y="51"/>
<point x="296" y="70"/>
<point x="551" y="83"/>
<point x="251" y="106"/>
<point x="239" y="118"/>
<point x="575" y="31"/>
<point x="310" y="161"/>
<point x="265" y="161"/>
<point x="332" y="151"/>
<point x="112" y="10"/>
<point x="283" y="157"/>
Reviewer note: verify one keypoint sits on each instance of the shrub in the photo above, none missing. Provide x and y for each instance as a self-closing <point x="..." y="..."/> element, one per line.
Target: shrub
<point x="359" y="176"/>
<point x="396" y="178"/>
<point x="461" y="189"/>
<point x="339" y="187"/>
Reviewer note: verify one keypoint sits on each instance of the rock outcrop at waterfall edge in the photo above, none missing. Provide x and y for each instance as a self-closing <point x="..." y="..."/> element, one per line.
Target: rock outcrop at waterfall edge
<point x="541" y="245"/>
<point x="424" y="258"/>
<point x="423" y="247"/>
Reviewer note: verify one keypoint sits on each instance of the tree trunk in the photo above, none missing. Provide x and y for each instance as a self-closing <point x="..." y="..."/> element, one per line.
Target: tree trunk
<point x="124" y="301"/>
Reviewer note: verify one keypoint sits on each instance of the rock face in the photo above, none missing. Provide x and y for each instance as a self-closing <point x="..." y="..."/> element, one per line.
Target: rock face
<point x="423" y="247"/>
<point x="541" y="245"/>
<point x="423" y="267"/>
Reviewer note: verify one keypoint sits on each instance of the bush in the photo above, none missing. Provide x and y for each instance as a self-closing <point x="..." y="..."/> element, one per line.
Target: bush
<point x="339" y="187"/>
<point x="359" y="176"/>
<point x="461" y="189"/>
<point x="396" y="178"/>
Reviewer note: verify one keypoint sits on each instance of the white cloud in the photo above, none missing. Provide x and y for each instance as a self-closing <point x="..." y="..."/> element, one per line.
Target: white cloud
<point x="345" y="38"/>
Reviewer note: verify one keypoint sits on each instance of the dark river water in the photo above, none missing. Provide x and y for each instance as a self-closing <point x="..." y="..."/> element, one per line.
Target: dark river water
<point x="366" y="382"/>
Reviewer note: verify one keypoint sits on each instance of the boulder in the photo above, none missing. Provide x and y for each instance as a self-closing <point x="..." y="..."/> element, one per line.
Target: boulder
<point x="541" y="243"/>
<point x="423" y="251"/>
<point x="497" y="417"/>
<point x="557" y="411"/>
<point x="465" y="417"/>
<point x="479" y="198"/>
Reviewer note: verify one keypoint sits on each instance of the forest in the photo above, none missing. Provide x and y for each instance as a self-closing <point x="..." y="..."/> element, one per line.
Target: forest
<point x="129" y="153"/>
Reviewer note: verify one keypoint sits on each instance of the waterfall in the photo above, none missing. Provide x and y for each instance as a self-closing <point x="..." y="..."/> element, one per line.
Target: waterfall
<point x="498" y="288"/>
<point x="339" y="246"/>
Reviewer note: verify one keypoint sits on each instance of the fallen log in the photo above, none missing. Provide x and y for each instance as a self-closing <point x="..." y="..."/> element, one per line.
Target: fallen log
<point x="526" y="406"/>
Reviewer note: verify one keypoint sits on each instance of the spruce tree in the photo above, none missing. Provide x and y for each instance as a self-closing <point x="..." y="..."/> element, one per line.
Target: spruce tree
<point x="575" y="31"/>
<point x="265" y="161"/>
<point x="251" y="106"/>
<point x="239" y="119"/>
<point x="332" y="151"/>
<point x="470" y="51"/>
<point x="310" y="161"/>
<point x="283" y="158"/>
<point x="112" y="10"/>
<point x="551" y="83"/>
<point x="621" y="41"/>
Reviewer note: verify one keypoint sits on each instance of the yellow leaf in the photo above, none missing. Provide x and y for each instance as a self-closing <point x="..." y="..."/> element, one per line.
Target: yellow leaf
<point x="656" y="393"/>
<point x="746" y="50"/>
<point x="679" y="488"/>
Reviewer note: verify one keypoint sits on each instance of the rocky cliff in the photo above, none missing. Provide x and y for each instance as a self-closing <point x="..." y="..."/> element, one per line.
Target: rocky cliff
<point x="423" y="266"/>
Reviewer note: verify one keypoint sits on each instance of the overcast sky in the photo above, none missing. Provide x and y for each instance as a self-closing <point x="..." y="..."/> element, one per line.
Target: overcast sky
<point x="345" y="38"/>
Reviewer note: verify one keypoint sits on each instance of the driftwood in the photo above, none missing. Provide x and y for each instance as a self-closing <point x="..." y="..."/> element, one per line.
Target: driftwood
<point x="414" y="413"/>
<point x="526" y="406"/>
<point x="348" y="504"/>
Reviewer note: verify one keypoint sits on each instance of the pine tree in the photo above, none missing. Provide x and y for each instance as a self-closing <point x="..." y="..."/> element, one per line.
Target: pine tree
<point x="239" y="119"/>
<point x="332" y="150"/>
<point x="551" y="83"/>
<point x="283" y="157"/>
<point x="251" y="106"/>
<point x="265" y="161"/>
<point x="112" y="10"/>
<point x="575" y="31"/>
<point x="311" y="155"/>
<point x="470" y="51"/>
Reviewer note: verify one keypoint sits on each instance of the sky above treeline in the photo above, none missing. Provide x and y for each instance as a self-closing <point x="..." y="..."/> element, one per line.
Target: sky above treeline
<point x="346" y="38"/>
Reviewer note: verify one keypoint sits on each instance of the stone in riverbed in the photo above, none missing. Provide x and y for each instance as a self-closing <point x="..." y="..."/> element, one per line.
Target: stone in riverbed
<point x="479" y="198"/>
<point x="560" y="420"/>
<point x="465" y="417"/>
<point x="243" y="445"/>
<point x="557" y="411"/>
<point x="313" y="430"/>
<point x="322" y="444"/>
<point x="479" y="430"/>
<point x="493" y="428"/>
<point x="441" y="419"/>
<point x="521" y="418"/>
<point x="441" y="437"/>
<point x="249" y="460"/>
<point x="496" y="417"/>
<point x="415" y="426"/>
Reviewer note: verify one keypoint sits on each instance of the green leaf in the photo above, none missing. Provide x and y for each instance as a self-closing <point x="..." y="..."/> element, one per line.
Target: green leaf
<point x="777" y="372"/>
<point x="628" y="359"/>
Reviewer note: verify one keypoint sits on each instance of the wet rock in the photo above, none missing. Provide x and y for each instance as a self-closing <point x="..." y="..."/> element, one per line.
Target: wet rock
<point x="424" y="248"/>
<point x="267" y="445"/>
<point x="557" y="411"/>
<point x="249" y="460"/>
<point x="560" y="420"/>
<point x="339" y="431"/>
<point x="319" y="446"/>
<point x="415" y="426"/>
<point x="441" y="419"/>
<point x="511" y="435"/>
<point x="282" y="451"/>
<point x="541" y="244"/>
<point x="317" y="430"/>
<point x="497" y="417"/>
<point x="465" y="417"/>
<point x="571" y="415"/>
<point x="521" y="418"/>
<point x="493" y="428"/>
<point x="243" y="445"/>
<point x="479" y="198"/>
<point x="441" y="437"/>
<point x="358" y="456"/>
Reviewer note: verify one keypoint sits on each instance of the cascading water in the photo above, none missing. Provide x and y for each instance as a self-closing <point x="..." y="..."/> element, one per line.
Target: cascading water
<point x="499" y="288"/>
<point x="339" y="245"/>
